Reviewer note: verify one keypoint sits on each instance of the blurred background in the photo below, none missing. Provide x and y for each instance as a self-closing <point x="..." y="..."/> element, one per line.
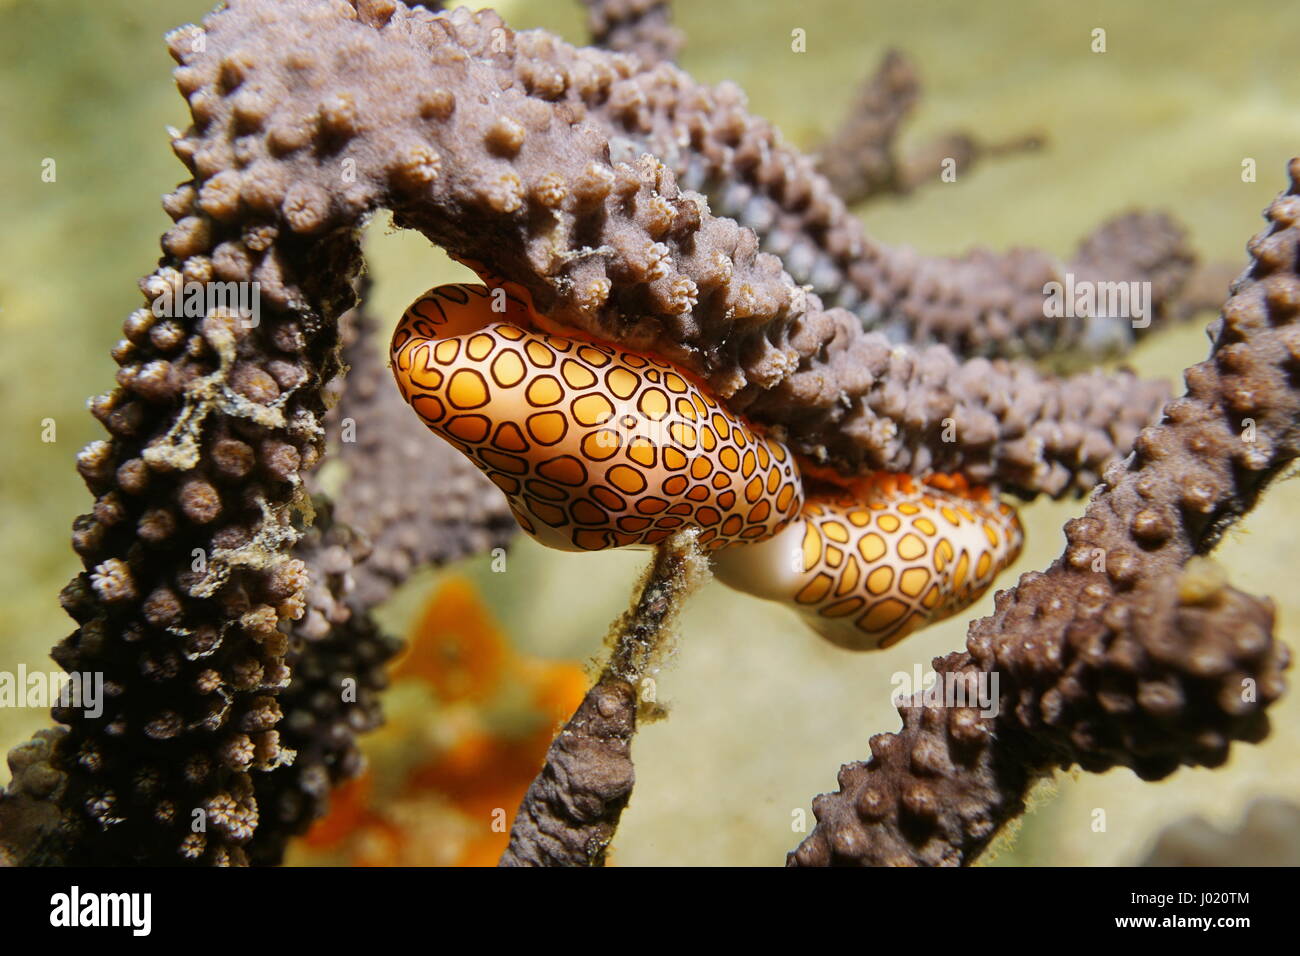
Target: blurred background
<point x="761" y="713"/>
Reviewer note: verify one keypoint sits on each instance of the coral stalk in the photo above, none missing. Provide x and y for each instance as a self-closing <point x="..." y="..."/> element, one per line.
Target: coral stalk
<point x="520" y="183"/>
<point x="982" y="303"/>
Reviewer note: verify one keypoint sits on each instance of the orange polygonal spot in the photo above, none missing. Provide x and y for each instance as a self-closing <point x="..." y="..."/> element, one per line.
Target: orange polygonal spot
<point x="544" y="390"/>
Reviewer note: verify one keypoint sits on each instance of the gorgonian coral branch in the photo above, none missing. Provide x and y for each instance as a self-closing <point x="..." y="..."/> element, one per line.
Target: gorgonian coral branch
<point x="516" y="181"/>
<point x="642" y="28"/>
<point x="1131" y="649"/>
<point x="337" y="659"/>
<point x="404" y="506"/>
<point x="187" y="554"/>
<point x="861" y="159"/>
<point x="982" y="303"/>
<point x="309" y="115"/>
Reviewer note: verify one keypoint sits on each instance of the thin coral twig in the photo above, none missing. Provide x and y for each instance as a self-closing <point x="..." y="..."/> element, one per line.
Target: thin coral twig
<point x="571" y="810"/>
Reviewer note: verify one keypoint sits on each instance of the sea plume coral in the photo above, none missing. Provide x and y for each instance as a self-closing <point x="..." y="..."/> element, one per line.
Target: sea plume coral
<point x="554" y="166"/>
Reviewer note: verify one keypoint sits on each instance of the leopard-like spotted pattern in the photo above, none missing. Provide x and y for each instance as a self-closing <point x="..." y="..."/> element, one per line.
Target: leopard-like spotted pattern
<point x="865" y="570"/>
<point x="597" y="447"/>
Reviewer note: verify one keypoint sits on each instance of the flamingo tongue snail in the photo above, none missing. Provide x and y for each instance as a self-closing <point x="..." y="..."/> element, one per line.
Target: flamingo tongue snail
<point x="596" y="447"/>
<point x="868" y="566"/>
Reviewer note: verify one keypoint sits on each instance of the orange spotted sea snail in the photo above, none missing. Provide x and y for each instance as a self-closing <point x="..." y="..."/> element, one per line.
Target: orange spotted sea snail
<point x="598" y="447"/>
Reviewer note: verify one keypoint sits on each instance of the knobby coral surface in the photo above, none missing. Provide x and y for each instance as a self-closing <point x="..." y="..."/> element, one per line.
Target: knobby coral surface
<point x="614" y="248"/>
<point x="211" y="609"/>
<point x="983" y="303"/>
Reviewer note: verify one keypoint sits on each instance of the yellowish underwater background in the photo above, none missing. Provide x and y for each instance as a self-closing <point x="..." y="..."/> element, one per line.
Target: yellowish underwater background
<point x="762" y="713"/>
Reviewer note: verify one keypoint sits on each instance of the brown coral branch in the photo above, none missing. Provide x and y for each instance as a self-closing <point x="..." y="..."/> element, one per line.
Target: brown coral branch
<point x="966" y="150"/>
<point x="642" y="28"/>
<point x="510" y="179"/>
<point x="571" y="810"/>
<point x="188" y="571"/>
<point x="1131" y="649"/>
<point x="314" y="744"/>
<point x="861" y="158"/>
<point x="1136" y="247"/>
<point x="407" y="503"/>
<point x="337" y="658"/>
<point x="983" y="303"/>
